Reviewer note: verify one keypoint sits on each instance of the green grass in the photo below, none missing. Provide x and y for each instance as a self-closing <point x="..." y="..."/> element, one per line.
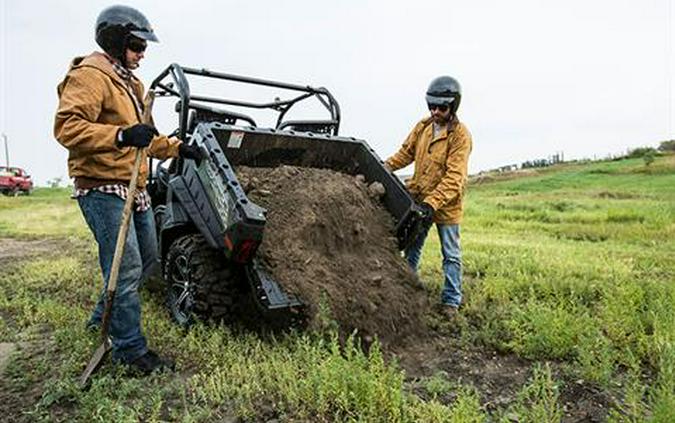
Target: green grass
<point x="574" y="265"/>
<point x="538" y="400"/>
<point x="577" y="263"/>
<point x="48" y="212"/>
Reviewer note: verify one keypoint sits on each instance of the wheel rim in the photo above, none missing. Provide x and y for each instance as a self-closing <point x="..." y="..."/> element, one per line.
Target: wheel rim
<point x="181" y="297"/>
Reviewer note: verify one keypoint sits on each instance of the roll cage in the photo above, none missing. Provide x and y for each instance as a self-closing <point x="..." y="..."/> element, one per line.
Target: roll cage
<point x="192" y="108"/>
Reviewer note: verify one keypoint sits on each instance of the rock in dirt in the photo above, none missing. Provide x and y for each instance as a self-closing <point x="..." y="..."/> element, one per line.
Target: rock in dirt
<point x="6" y="350"/>
<point x="376" y="190"/>
<point x="328" y="240"/>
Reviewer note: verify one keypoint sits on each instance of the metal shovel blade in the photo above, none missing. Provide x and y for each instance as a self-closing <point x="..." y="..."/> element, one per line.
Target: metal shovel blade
<point x="95" y="362"/>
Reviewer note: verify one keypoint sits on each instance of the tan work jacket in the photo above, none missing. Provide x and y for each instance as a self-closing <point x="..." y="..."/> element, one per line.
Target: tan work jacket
<point x="441" y="168"/>
<point x="94" y="104"/>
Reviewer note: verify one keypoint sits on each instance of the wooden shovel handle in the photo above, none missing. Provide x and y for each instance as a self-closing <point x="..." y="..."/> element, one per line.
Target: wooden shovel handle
<point x="124" y="225"/>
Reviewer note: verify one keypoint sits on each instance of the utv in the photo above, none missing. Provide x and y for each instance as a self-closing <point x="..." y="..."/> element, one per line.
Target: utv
<point x="208" y="230"/>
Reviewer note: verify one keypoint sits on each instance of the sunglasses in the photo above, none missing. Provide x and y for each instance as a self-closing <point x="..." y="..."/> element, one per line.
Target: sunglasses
<point x="442" y="108"/>
<point x="137" y="46"/>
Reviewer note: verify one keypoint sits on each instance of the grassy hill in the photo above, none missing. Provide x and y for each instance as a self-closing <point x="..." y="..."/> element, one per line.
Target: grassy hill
<point x="570" y="287"/>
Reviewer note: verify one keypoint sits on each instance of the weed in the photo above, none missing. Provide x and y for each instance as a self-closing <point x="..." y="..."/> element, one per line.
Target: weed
<point x="538" y="401"/>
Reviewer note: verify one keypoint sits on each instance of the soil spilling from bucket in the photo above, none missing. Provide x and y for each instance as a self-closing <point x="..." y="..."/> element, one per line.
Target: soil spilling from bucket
<point x="329" y="240"/>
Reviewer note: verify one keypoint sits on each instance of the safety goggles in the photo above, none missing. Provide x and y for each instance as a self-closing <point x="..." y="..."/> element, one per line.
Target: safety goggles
<point x="441" y="107"/>
<point x="136" y="45"/>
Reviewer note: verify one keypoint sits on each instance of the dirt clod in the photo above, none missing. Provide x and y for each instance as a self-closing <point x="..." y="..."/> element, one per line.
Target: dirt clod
<point x="376" y="190"/>
<point x="329" y="241"/>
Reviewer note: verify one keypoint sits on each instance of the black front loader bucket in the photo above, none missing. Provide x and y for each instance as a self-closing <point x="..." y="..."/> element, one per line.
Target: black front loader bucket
<point x="255" y="147"/>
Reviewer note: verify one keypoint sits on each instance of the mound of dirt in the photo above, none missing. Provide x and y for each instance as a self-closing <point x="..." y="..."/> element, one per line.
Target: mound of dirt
<point x="329" y="241"/>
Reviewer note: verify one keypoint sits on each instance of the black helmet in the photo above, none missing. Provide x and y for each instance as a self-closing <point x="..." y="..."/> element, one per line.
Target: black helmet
<point x="444" y="90"/>
<point x="116" y="24"/>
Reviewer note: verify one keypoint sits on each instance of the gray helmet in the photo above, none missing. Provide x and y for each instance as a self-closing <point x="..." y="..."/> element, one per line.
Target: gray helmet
<point x="444" y="90"/>
<point x="117" y="24"/>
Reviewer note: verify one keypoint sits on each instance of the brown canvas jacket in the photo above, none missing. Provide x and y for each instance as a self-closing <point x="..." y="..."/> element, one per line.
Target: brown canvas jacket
<point x="94" y="104"/>
<point x="441" y="168"/>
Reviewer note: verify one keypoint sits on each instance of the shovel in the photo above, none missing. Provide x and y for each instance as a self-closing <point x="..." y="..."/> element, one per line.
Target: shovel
<point x="106" y="344"/>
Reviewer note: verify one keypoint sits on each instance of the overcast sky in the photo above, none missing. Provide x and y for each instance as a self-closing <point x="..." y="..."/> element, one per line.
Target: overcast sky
<point x="585" y="77"/>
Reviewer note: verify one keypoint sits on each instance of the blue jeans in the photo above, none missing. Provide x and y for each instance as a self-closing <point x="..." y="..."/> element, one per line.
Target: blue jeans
<point x="452" y="260"/>
<point x="103" y="213"/>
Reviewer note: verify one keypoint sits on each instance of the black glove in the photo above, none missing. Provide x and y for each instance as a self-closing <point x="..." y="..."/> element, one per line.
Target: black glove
<point x="138" y="136"/>
<point x="426" y="214"/>
<point x="191" y="152"/>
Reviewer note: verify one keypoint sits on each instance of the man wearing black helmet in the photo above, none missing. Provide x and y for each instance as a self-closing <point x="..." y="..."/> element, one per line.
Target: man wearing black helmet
<point x="99" y="121"/>
<point x="439" y="145"/>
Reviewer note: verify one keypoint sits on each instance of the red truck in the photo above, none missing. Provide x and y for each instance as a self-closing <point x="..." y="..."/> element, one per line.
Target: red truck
<point x="14" y="180"/>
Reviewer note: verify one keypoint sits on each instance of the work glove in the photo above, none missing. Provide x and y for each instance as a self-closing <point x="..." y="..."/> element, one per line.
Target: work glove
<point x="138" y="136"/>
<point x="191" y="152"/>
<point x="426" y="214"/>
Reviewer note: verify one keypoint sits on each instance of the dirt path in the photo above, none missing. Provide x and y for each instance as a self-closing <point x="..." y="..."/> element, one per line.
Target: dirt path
<point x="12" y="249"/>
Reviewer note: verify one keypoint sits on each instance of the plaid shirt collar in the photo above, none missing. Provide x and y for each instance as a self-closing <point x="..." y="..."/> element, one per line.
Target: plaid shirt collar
<point x="126" y="75"/>
<point x="120" y="70"/>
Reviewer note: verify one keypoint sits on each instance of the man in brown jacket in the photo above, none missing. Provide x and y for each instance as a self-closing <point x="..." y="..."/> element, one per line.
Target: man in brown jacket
<point x="439" y="145"/>
<point x="99" y="121"/>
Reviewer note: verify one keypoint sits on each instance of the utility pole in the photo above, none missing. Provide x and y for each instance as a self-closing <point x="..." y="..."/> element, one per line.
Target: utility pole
<point x="4" y="136"/>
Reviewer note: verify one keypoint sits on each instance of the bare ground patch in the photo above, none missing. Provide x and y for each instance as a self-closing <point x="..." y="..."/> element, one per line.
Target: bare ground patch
<point x="497" y="378"/>
<point x="21" y="386"/>
<point x="12" y="249"/>
<point x="618" y="195"/>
